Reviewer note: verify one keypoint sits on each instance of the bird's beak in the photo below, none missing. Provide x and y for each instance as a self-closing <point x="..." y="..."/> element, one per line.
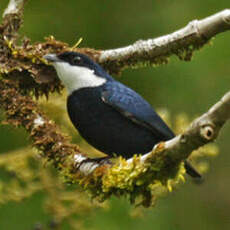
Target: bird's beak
<point x="51" y="58"/>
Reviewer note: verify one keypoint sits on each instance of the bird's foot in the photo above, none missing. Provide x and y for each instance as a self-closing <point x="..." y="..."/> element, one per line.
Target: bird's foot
<point x="97" y="161"/>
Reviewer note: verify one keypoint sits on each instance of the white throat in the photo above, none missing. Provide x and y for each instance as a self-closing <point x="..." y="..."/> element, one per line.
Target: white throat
<point x="77" y="77"/>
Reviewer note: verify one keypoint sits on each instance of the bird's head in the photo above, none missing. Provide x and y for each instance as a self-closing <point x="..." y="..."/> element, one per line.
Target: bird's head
<point x="77" y="70"/>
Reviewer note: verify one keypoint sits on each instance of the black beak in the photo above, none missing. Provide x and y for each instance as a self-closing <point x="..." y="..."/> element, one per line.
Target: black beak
<point x="51" y="58"/>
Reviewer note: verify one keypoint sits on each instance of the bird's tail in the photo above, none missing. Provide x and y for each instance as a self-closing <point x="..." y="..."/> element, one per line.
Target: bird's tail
<point x="190" y="170"/>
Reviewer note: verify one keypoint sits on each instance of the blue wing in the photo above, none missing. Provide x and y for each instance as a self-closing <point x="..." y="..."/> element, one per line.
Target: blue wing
<point x="134" y="107"/>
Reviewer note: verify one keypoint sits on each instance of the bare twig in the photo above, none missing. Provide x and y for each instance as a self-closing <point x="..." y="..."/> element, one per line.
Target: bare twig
<point x="203" y="130"/>
<point x="155" y="51"/>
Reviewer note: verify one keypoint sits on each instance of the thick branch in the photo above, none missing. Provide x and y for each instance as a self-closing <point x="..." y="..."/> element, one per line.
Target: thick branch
<point x="21" y="110"/>
<point x="155" y="51"/>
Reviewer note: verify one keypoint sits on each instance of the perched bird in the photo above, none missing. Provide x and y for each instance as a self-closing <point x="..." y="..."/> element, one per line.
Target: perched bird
<point x="108" y="115"/>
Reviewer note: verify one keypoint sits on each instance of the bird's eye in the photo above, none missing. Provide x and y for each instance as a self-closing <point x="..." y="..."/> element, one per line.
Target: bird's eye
<point x="77" y="60"/>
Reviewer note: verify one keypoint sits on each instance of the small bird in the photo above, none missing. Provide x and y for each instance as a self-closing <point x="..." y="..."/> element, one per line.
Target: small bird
<point x="109" y="115"/>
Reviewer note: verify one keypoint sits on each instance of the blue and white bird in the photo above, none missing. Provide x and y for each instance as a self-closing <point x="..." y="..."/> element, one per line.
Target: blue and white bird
<point x="108" y="115"/>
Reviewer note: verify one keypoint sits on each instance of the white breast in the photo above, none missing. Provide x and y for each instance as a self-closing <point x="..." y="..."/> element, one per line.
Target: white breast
<point x="77" y="77"/>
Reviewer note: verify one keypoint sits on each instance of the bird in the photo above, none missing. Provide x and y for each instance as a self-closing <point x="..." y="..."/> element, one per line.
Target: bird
<point x="110" y="116"/>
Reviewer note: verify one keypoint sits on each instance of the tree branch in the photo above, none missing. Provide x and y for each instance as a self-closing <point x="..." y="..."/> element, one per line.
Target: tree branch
<point x="14" y="7"/>
<point x="203" y="130"/>
<point x="155" y="51"/>
<point x="138" y="176"/>
<point x="21" y="110"/>
<point x="12" y="19"/>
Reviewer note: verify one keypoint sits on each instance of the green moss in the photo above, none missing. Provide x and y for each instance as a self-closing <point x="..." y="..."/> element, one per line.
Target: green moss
<point x="138" y="181"/>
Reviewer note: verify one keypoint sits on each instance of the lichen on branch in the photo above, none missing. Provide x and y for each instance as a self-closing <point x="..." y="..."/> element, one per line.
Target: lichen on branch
<point x="21" y="110"/>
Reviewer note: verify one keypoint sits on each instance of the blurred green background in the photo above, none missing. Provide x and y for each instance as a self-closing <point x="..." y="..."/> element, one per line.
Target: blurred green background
<point x="190" y="87"/>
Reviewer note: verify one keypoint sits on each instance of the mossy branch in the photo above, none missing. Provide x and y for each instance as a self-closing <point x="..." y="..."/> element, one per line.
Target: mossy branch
<point x="26" y="59"/>
<point x="25" y="73"/>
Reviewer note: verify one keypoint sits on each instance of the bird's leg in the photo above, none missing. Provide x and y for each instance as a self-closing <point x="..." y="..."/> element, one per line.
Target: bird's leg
<point x="98" y="160"/>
